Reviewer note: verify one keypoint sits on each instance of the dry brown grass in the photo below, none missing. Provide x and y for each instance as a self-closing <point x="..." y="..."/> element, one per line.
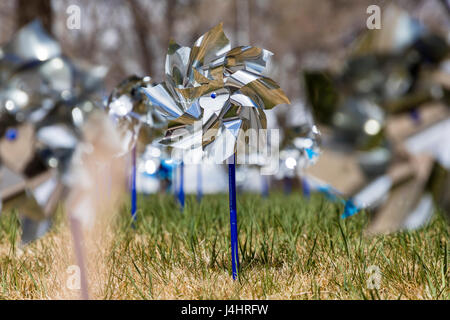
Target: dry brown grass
<point x="289" y="249"/>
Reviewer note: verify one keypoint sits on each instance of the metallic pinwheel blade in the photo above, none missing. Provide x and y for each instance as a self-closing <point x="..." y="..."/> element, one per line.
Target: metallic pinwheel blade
<point x="31" y="43"/>
<point x="182" y="137"/>
<point x="247" y="58"/>
<point x="33" y="229"/>
<point x="177" y="60"/>
<point x="45" y="99"/>
<point x="253" y="118"/>
<point x="223" y="94"/>
<point x="11" y="183"/>
<point x="233" y="126"/>
<point x="267" y="91"/>
<point x="34" y="199"/>
<point x="58" y="73"/>
<point x="161" y="99"/>
<point x="224" y="145"/>
<point x="208" y="48"/>
<point x="192" y="93"/>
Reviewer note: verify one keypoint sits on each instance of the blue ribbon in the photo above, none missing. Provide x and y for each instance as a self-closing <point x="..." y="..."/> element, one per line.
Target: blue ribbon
<point x="311" y="153"/>
<point x="350" y="209"/>
<point x="329" y="193"/>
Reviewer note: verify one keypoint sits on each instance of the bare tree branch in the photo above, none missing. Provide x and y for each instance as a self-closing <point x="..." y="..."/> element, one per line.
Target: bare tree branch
<point x="142" y="28"/>
<point x="170" y="20"/>
<point x="27" y="11"/>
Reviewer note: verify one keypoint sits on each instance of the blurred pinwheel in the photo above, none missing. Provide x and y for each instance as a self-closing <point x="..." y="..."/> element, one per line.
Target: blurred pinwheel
<point x="134" y="116"/>
<point x="300" y="143"/>
<point x="56" y="143"/>
<point x="45" y="99"/>
<point x="387" y="110"/>
<point x="213" y="97"/>
<point x="136" y="120"/>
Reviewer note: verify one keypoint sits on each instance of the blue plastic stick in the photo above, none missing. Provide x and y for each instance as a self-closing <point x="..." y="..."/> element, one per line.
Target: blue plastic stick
<point x="265" y="186"/>
<point x="199" y="183"/>
<point x="305" y="188"/>
<point x="175" y="181"/>
<point x="181" y="188"/>
<point x="287" y="185"/>
<point x="133" y="184"/>
<point x="415" y="115"/>
<point x="233" y="217"/>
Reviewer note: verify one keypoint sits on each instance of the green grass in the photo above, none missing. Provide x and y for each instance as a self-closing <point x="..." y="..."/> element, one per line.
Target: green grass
<point x="290" y="248"/>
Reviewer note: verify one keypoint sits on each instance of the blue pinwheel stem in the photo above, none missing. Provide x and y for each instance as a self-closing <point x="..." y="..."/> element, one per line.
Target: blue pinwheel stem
<point x="415" y="115"/>
<point x="199" y="183"/>
<point x="305" y="188"/>
<point x="175" y="181"/>
<point x="133" y="184"/>
<point x="287" y="185"/>
<point x="265" y="186"/>
<point x="181" y="187"/>
<point x="233" y="217"/>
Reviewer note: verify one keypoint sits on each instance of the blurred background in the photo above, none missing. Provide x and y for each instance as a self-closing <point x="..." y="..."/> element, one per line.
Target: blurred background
<point x="131" y="36"/>
<point x="380" y="98"/>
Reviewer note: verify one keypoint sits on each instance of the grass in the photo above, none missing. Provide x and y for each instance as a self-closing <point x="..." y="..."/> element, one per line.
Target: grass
<point x="290" y="248"/>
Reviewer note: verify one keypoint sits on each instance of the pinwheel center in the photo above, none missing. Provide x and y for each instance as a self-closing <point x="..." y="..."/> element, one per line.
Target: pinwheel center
<point x="11" y="134"/>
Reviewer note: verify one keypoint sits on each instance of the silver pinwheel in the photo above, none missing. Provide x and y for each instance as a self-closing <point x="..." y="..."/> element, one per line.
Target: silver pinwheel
<point x="213" y="93"/>
<point x="213" y="96"/>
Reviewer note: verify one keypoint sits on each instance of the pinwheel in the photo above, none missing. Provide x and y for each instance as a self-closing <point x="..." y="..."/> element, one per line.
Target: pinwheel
<point x="299" y="142"/>
<point x="155" y="165"/>
<point x="134" y="118"/>
<point x="378" y="108"/>
<point x="213" y="95"/>
<point x="45" y="99"/>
